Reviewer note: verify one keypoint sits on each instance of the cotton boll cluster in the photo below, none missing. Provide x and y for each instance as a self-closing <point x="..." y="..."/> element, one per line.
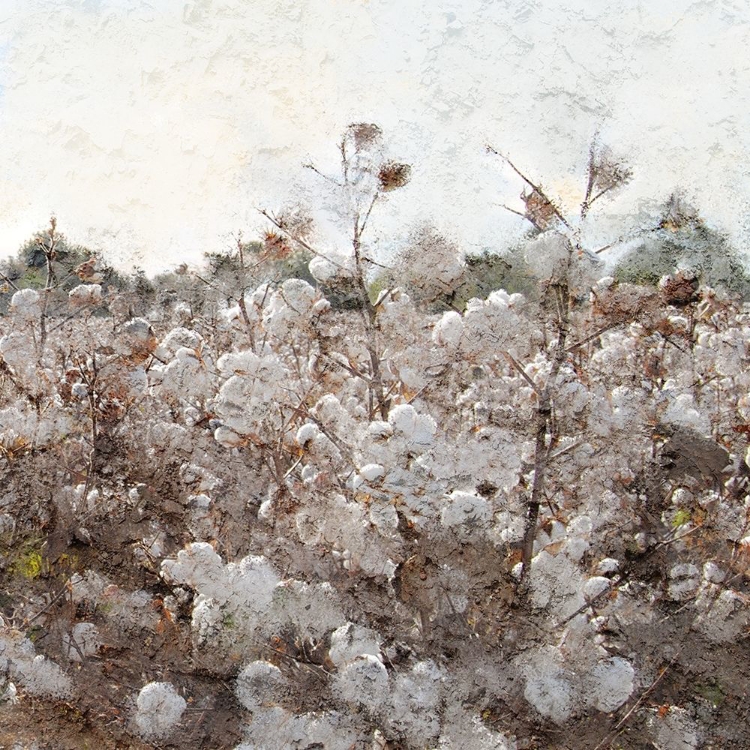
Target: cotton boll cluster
<point x="17" y="351"/>
<point x="178" y="338"/>
<point x="675" y="731"/>
<point x="448" y="330"/>
<point x="491" y="326"/>
<point x="415" y="701"/>
<point x="363" y="682"/>
<point x="21" y="426"/>
<point x="350" y="641"/>
<point x="336" y="501"/>
<point x="33" y="672"/>
<point x="416" y="430"/>
<point x="245" y="401"/>
<point x="463" y="729"/>
<point x="611" y="683"/>
<point x="363" y="541"/>
<point x="681" y="411"/>
<point x="557" y="688"/>
<point x="137" y="339"/>
<point x="408" y="702"/>
<point x="275" y="728"/>
<point x="186" y="376"/>
<point x="238" y="601"/>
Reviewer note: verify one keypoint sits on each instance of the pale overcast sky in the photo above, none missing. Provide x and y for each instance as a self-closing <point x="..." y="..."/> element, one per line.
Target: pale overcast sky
<point x="154" y="128"/>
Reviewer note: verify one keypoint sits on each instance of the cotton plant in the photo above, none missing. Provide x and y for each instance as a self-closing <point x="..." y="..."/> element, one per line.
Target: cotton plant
<point x="237" y="603"/>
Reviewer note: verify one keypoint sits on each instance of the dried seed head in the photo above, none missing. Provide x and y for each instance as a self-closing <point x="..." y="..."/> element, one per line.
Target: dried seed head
<point x="364" y="134"/>
<point x="275" y="246"/>
<point x="393" y="175"/>
<point x="539" y="210"/>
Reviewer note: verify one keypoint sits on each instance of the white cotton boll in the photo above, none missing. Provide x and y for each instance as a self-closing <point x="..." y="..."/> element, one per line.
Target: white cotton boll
<point x="25" y="304"/>
<point x="595" y="586"/>
<point x="378" y="430"/>
<point x="40" y="676"/>
<point x="181" y="337"/>
<point x="206" y="619"/>
<point x="238" y="363"/>
<point x="682" y="412"/>
<point x="610" y="684"/>
<point x="160" y="708"/>
<point x="466" y="512"/>
<point x="320" y="307"/>
<point x="333" y="268"/>
<point x="724" y="618"/>
<point x="229" y="315"/>
<point x="85" y="295"/>
<point x="313" y="609"/>
<point x="463" y="730"/>
<point x="138" y="330"/>
<point x="418" y="429"/>
<point x="606" y="282"/>
<point x="275" y="728"/>
<point x="186" y="375"/>
<point x="551" y="696"/>
<point x="306" y="433"/>
<point x="713" y="573"/>
<point x="556" y="582"/>
<point x="384" y="517"/>
<point x="675" y="730"/>
<point x="350" y="641"/>
<point x="299" y="295"/>
<point x="332" y="414"/>
<point x="10" y="695"/>
<point x="17" y="349"/>
<point x="414" y="703"/>
<point x="309" y="526"/>
<point x="363" y="681"/>
<point x="79" y="390"/>
<point x="448" y="330"/>
<point x="228" y="438"/>
<point x="82" y="641"/>
<point x="607" y="565"/>
<point x="679" y="323"/>
<point x="322" y="270"/>
<point x="259" y="683"/>
<point x="200" y="567"/>
<point x="684" y="580"/>
<point x="372" y="472"/>
<point x="266" y="510"/>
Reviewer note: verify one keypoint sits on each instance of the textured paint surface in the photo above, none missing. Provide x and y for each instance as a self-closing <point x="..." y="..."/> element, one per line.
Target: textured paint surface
<point x="154" y="128"/>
